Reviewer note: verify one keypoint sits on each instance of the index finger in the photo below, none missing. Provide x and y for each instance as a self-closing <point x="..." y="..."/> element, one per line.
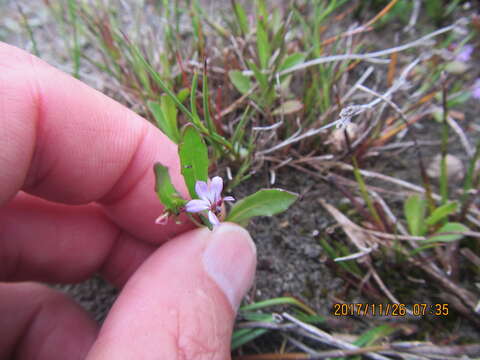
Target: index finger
<point x="65" y="142"/>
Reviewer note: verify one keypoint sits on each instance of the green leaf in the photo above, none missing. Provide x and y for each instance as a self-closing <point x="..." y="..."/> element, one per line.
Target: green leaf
<point x="373" y="335"/>
<point x="265" y="202"/>
<point x="458" y="99"/>
<point x="241" y="82"/>
<point x="414" y="210"/>
<point x="349" y="266"/>
<point x="262" y="8"/>
<point x="275" y="302"/>
<point x="156" y="77"/>
<point x="165" y="190"/>
<point x="441" y="213"/>
<point x="165" y="114"/>
<point x="243" y="336"/>
<point x="256" y="316"/>
<point x="183" y="94"/>
<point x="291" y="61"/>
<point x="193" y="158"/>
<point x="206" y="102"/>
<point x="448" y="227"/>
<point x="263" y="45"/>
<point x="259" y="76"/>
<point x="241" y="17"/>
<point x="193" y="99"/>
<point x="157" y="112"/>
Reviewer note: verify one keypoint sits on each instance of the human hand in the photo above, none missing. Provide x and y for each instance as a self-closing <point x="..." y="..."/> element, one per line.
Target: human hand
<point x="62" y="144"/>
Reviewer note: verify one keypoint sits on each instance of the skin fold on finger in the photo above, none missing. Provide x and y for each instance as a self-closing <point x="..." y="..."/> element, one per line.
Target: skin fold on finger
<point x="180" y="304"/>
<point x="65" y="142"/>
<point x="39" y="323"/>
<point x="46" y="241"/>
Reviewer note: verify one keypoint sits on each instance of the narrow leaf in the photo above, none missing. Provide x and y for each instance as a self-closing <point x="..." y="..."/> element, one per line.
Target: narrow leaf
<point x="193" y="95"/>
<point x="441" y="213"/>
<point x="165" y="114"/>
<point x="414" y="210"/>
<point x="206" y="105"/>
<point x="241" y="17"/>
<point x="165" y="190"/>
<point x="373" y="335"/>
<point x="241" y="82"/>
<point x="291" y="61"/>
<point x="169" y="110"/>
<point x="448" y="227"/>
<point x="246" y="336"/>
<point x="183" y="94"/>
<point x="156" y="77"/>
<point x="161" y="121"/>
<point x="265" y="202"/>
<point x="263" y="45"/>
<point x="275" y="302"/>
<point x="259" y="76"/>
<point x="193" y="158"/>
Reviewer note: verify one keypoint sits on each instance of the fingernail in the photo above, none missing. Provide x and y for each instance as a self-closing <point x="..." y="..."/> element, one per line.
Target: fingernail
<point x="230" y="259"/>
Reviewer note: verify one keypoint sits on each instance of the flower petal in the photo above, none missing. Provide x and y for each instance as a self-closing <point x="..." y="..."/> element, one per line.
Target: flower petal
<point x="465" y="53"/>
<point x="213" y="219"/>
<point x="162" y="219"/>
<point x="216" y="187"/>
<point x="201" y="188"/>
<point x="196" y="205"/>
<point x="228" y="198"/>
<point x="476" y="89"/>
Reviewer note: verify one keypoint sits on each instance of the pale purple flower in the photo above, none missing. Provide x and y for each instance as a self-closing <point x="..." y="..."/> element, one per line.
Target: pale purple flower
<point x="476" y="89"/>
<point x="465" y="53"/>
<point x="210" y="195"/>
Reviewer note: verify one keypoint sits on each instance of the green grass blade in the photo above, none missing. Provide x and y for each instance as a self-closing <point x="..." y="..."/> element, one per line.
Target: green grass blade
<point x="206" y="104"/>
<point x="246" y="336"/>
<point x="263" y="45"/>
<point x="276" y="302"/>
<point x="156" y="77"/>
<point x="363" y="191"/>
<point x="373" y="335"/>
<point x="193" y="96"/>
<point x="241" y="17"/>
<point x="72" y="13"/>
<point x="332" y="254"/>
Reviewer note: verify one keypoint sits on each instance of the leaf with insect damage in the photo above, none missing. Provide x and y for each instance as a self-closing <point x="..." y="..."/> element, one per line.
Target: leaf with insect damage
<point x="193" y="158"/>
<point x="165" y="190"/>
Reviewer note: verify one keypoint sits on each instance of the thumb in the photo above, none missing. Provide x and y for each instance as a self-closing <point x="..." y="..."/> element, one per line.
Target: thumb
<point x="181" y="303"/>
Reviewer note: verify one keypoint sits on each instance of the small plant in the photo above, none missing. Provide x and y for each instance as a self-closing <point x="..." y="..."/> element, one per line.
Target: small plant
<point x="435" y="225"/>
<point x="207" y="201"/>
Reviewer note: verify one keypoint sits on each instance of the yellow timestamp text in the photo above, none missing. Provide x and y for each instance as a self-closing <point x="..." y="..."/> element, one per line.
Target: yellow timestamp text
<point x="371" y="309"/>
